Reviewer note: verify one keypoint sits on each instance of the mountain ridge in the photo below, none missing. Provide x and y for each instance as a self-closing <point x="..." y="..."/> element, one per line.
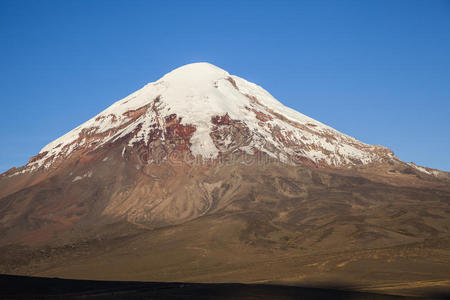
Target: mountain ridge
<point x="129" y="195"/>
<point x="195" y="96"/>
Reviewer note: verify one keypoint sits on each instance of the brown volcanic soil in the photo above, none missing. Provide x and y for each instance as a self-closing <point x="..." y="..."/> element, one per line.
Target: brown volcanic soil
<point x="367" y="229"/>
<point x="152" y="211"/>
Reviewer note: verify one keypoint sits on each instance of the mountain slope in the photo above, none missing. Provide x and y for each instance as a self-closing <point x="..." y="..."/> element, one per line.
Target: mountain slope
<point x="210" y="112"/>
<point x="204" y="176"/>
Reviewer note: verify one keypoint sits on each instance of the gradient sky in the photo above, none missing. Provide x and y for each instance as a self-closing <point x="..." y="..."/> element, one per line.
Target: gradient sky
<point x="376" y="70"/>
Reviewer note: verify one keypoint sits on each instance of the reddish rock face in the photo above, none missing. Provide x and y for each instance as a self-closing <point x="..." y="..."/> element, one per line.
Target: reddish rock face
<point x="111" y="116"/>
<point x="38" y="157"/>
<point x="134" y="114"/>
<point x="221" y="120"/>
<point x="228" y="134"/>
<point x="178" y="134"/>
<point x="233" y="83"/>
<point x="170" y="118"/>
<point x="168" y="139"/>
<point x="260" y="115"/>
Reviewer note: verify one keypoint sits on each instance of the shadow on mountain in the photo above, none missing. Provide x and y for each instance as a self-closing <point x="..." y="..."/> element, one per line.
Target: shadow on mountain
<point x="23" y="287"/>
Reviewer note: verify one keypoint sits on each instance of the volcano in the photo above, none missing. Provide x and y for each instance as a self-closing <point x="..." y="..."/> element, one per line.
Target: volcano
<point x="203" y="176"/>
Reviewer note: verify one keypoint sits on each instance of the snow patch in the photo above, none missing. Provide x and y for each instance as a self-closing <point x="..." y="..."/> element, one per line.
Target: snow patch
<point x="423" y="170"/>
<point x="86" y="175"/>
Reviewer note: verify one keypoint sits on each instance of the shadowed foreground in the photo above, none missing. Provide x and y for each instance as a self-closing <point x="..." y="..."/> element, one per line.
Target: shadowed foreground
<point x="23" y="287"/>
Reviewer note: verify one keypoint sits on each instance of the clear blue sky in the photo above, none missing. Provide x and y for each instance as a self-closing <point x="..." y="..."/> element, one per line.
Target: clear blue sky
<point x="376" y="70"/>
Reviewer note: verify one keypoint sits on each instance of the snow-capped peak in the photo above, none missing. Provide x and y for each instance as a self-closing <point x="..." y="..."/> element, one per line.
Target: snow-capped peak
<point x="195" y="74"/>
<point x="194" y="95"/>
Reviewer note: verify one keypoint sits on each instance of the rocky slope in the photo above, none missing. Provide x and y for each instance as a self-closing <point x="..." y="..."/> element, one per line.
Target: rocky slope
<point x="202" y="165"/>
<point x="203" y="110"/>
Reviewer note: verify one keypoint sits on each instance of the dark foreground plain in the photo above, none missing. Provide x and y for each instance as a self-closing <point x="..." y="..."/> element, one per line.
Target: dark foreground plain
<point x="24" y="287"/>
